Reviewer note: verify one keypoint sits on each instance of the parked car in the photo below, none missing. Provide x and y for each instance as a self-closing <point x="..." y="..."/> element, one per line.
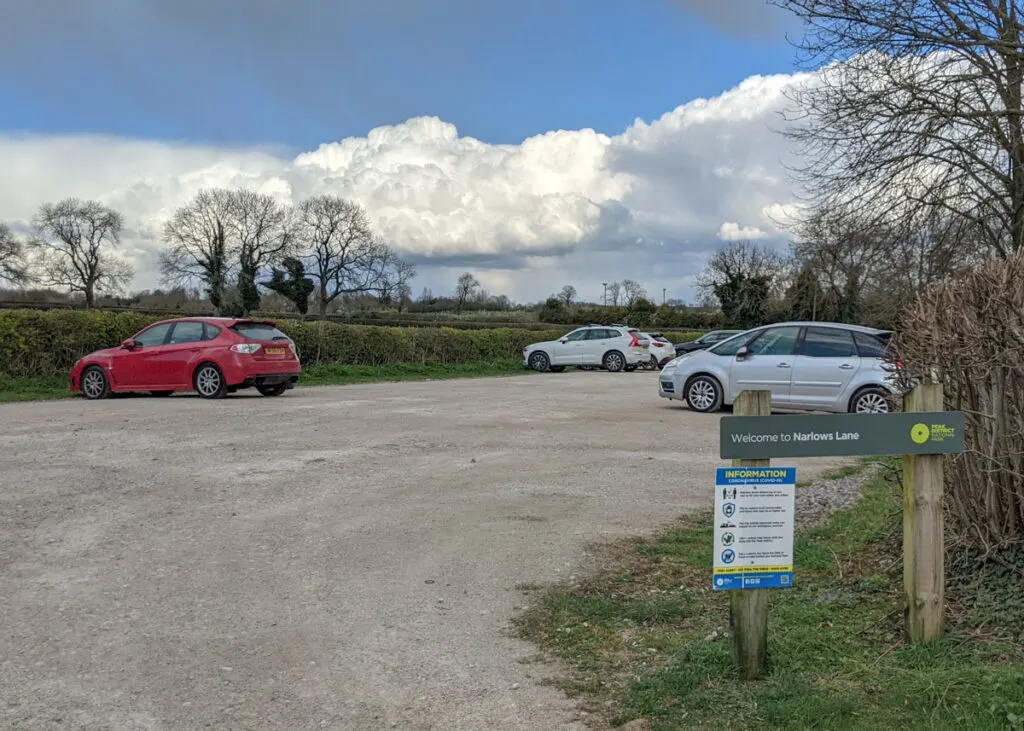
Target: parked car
<point x="210" y="355"/>
<point x="612" y="347"/>
<point x="661" y="350"/>
<point x="705" y="341"/>
<point x="809" y="366"/>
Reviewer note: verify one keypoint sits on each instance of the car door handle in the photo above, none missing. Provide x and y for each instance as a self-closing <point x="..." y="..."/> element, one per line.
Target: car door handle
<point x="782" y="365"/>
<point x="846" y="367"/>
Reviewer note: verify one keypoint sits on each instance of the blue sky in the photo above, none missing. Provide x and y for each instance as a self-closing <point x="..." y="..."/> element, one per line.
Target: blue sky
<point x="295" y="74"/>
<point x="194" y="93"/>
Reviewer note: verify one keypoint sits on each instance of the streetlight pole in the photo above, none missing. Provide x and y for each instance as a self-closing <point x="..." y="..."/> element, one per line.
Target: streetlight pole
<point x="605" y="285"/>
<point x="663" y="296"/>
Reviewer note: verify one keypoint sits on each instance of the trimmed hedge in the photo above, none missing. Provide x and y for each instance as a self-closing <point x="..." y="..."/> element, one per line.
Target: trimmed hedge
<point x="45" y="343"/>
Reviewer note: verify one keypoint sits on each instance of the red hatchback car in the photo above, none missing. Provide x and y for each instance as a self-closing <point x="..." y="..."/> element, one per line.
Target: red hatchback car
<point x="212" y="356"/>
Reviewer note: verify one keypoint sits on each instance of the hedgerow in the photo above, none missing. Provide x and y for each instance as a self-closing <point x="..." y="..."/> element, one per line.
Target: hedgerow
<point x="44" y="343"/>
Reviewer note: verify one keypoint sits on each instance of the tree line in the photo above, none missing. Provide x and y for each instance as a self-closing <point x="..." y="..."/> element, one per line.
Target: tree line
<point x="222" y="240"/>
<point x="841" y="269"/>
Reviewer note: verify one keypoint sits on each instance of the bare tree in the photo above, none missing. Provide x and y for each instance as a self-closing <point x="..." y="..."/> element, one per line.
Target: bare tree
<point x="344" y="254"/>
<point x="855" y="269"/>
<point x="394" y="284"/>
<point x="632" y="292"/>
<point x="262" y="228"/>
<point x="200" y="245"/>
<point x="924" y="113"/>
<point x="13" y="265"/>
<point x="845" y="253"/>
<point x="465" y="288"/>
<point x="568" y="294"/>
<point x="74" y="241"/>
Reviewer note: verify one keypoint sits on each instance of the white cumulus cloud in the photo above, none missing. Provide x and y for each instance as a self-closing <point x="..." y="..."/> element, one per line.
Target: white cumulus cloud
<point x="732" y="231"/>
<point x="567" y="206"/>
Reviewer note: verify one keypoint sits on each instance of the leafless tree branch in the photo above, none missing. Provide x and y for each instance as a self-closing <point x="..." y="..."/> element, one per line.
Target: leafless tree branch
<point x="73" y="242"/>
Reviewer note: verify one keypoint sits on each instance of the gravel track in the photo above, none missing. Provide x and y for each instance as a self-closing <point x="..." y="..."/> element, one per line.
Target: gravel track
<point x="341" y="558"/>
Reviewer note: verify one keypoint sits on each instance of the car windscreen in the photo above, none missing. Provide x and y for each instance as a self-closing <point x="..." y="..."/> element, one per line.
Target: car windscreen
<point x="731" y="345"/>
<point x="259" y="331"/>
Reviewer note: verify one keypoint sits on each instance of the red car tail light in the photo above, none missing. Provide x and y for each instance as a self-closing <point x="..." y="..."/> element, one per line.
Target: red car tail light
<point x="247" y="348"/>
<point x="636" y="341"/>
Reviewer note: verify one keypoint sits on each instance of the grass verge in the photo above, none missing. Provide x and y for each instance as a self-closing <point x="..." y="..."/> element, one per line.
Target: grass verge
<point x="56" y="387"/>
<point x="647" y="638"/>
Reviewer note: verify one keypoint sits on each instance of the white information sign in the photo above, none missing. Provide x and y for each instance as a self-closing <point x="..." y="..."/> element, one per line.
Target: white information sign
<point x="754" y="527"/>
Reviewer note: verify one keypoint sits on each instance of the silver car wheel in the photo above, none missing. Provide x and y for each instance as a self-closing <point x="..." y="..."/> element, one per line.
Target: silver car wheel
<point x="539" y="362"/>
<point x="872" y="403"/>
<point x="614" y="362"/>
<point x="207" y="381"/>
<point x="701" y="395"/>
<point x="93" y="384"/>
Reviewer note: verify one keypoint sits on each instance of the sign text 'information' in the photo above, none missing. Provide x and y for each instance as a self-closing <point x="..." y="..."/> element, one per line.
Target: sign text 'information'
<point x="754" y="527"/>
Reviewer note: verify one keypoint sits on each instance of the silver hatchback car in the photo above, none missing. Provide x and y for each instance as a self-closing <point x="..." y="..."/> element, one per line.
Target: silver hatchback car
<point x="807" y="366"/>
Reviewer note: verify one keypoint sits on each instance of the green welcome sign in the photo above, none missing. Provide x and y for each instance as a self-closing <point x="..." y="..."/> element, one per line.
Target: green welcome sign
<point x="841" y="435"/>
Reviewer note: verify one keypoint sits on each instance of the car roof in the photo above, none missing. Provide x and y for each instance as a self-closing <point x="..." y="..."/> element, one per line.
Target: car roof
<point x="225" y="321"/>
<point x="840" y="325"/>
<point x="837" y="325"/>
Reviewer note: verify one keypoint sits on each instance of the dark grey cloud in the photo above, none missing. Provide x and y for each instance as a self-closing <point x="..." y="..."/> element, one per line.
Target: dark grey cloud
<point x="751" y="18"/>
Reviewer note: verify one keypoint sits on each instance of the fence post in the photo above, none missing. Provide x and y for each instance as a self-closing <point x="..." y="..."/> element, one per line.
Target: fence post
<point x="923" y="540"/>
<point x="748" y="615"/>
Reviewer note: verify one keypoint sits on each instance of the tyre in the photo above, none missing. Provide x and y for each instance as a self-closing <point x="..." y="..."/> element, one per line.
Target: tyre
<point x="95" y="385"/>
<point x="654" y="363"/>
<point x="871" y="400"/>
<point x="557" y="369"/>
<point x="539" y="362"/>
<point x="614" y="361"/>
<point x="209" y="382"/>
<point x="703" y="394"/>
<point x="275" y="390"/>
<point x="161" y="394"/>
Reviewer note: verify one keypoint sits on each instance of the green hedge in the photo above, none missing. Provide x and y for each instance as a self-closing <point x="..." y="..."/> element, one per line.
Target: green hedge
<point x="44" y="343"/>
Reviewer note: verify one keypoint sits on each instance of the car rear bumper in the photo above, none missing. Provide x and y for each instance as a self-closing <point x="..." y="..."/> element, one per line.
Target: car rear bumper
<point x="269" y="379"/>
<point x="242" y="371"/>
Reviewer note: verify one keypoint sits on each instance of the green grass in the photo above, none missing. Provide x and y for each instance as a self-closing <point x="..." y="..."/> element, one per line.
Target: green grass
<point x="56" y="387"/>
<point x="643" y="637"/>
<point x="35" y="388"/>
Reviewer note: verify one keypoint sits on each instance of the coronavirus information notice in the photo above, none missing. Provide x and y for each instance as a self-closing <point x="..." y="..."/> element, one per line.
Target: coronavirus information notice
<point x="754" y="527"/>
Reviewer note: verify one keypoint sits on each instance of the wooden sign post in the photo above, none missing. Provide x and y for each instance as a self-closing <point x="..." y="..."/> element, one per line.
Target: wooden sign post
<point x="922" y="434"/>
<point x="748" y="608"/>
<point x="924" y="550"/>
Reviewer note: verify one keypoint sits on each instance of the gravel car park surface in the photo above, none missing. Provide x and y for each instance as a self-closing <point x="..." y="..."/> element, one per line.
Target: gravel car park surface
<point x="335" y="558"/>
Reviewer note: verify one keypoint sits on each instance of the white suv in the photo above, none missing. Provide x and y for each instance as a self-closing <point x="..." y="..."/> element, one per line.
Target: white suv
<point x="612" y="347"/>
